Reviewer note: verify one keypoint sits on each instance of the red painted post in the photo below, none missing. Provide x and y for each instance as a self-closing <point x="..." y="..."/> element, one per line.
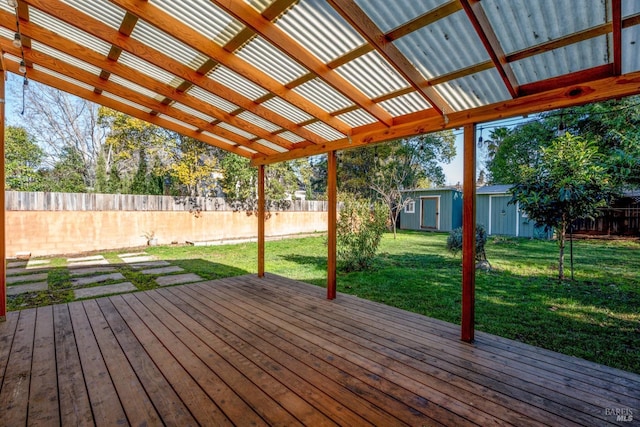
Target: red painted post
<point x="469" y="235"/>
<point x="332" y="217"/>
<point x="261" y="220"/>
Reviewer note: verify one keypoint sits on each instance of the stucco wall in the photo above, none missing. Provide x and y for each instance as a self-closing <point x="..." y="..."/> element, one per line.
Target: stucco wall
<point x="45" y="233"/>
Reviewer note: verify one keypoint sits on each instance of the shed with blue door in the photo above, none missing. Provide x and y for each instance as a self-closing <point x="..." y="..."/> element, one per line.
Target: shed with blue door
<point x="433" y="209"/>
<point x="500" y="217"/>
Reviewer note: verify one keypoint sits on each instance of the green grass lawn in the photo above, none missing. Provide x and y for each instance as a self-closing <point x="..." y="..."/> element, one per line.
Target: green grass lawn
<point x="595" y="317"/>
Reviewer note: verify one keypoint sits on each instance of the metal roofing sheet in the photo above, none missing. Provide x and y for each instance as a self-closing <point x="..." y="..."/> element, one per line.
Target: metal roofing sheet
<point x="135" y="87"/>
<point x="236" y="82"/>
<point x="236" y="130"/>
<point x="259" y="5"/>
<point x="630" y="8"/>
<point x="126" y="102"/>
<point x="287" y="110"/>
<point x="64" y="57"/>
<point x="325" y="131"/>
<point x="405" y="104"/>
<point x="357" y="118"/>
<point x="176" y="121"/>
<point x="319" y="28"/>
<point x="207" y="118"/>
<point x="291" y="137"/>
<point x="271" y="145"/>
<point x="258" y="121"/>
<point x="204" y="17"/>
<point x="373" y="75"/>
<point x="105" y="12"/>
<point x="391" y="14"/>
<point x="55" y="74"/>
<point x="262" y="55"/>
<point x="145" y="67"/>
<point x="212" y="99"/>
<point x="630" y="43"/>
<point x="474" y="90"/>
<point x="323" y="95"/>
<point x="219" y="138"/>
<point x="449" y="44"/>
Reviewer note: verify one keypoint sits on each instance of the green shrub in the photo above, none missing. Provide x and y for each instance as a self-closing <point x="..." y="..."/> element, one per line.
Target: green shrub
<point x="359" y="229"/>
<point x="454" y="242"/>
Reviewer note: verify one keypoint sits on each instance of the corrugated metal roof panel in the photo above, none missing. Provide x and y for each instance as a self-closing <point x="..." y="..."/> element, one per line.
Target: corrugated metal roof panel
<point x="390" y="14"/>
<point x="193" y="112"/>
<point x="204" y="17"/>
<point x="405" y="104"/>
<point x="236" y="130"/>
<point x="259" y="5"/>
<point x="262" y="55"/>
<point x="323" y="95"/>
<point x="135" y="87"/>
<point x="373" y="75"/>
<point x="236" y="82"/>
<point x="287" y="110"/>
<point x="325" y="131"/>
<point x="54" y="74"/>
<point x="66" y="30"/>
<point x="4" y="6"/>
<point x="105" y="12"/>
<point x="541" y="20"/>
<point x="219" y="138"/>
<point x="259" y="121"/>
<point x="65" y="58"/>
<point x="357" y="118"/>
<point x="454" y="35"/>
<point x="147" y="68"/>
<point x="212" y="99"/>
<point x="271" y="145"/>
<point x="630" y="43"/>
<point x="176" y="121"/>
<point x="291" y="137"/>
<point x="586" y="54"/>
<point x="313" y="23"/>
<point x="126" y="102"/>
<point x="242" y="147"/>
<point x="630" y="8"/>
<point x="168" y="45"/>
<point x="475" y="90"/>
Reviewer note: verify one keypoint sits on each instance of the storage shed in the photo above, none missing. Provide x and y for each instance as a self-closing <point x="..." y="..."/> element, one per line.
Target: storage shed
<point x="500" y="217"/>
<point x="434" y="209"/>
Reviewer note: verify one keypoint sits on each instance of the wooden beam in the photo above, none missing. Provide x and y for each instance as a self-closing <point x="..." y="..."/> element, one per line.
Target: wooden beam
<point x="480" y="22"/>
<point x="359" y="20"/>
<point x="3" y="231"/>
<point x="583" y="76"/>
<point x="422" y="122"/>
<point x="332" y="219"/>
<point x="261" y="220"/>
<point x="616" y="22"/>
<point x="469" y="235"/>
<point x="103" y="32"/>
<point x="126" y="28"/>
<point x="425" y="19"/>
<point x="280" y="39"/>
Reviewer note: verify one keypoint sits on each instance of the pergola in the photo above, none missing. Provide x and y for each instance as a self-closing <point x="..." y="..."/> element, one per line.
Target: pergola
<point x="274" y="80"/>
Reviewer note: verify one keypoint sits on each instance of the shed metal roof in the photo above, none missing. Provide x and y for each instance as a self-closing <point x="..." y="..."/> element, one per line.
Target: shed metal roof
<point x="280" y="79"/>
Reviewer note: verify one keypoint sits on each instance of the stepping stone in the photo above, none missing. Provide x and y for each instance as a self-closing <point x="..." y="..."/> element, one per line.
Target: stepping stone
<point x="163" y="270"/>
<point x="132" y="254"/>
<point x="81" y="271"/>
<point x="86" y="258"/>
<point x="177" y="279"/>
<point x="88" y="263"/>
<point x="81" y="281"/>
<point x="17" y="270"/>
<point x="133" y="259"/>
<point x="150" y="264"/>
<point x="27" y="278"/>
<point x="38" y="263"/>
<point x="23" y="289"/>
<point x="104" y="290"/>
<point x="14" y="264"/>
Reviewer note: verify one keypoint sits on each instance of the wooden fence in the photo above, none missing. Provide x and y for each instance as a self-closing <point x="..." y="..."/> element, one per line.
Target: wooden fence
<point x="46" y="201"/>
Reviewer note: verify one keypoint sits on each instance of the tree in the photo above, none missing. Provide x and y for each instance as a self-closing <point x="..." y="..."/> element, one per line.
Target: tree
<point x="67" y="175"/>
<point x="23" y="158"/>
<point x="569" y="183"/>
<point x="193" y="165"/>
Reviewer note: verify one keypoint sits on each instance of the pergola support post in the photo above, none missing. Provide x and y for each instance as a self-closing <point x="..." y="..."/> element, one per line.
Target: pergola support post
<point x="469" y="235"/>
<point x="3" y="234"/>
<point x="261" y="220"/>
<point x="332" y="217"/>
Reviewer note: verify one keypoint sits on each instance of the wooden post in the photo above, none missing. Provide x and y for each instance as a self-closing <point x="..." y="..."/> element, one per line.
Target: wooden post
<point x="332" y="196"/>
<point x="469" y="234"/>
<point x="261" y="220"/>
<point x="3" y="237"/>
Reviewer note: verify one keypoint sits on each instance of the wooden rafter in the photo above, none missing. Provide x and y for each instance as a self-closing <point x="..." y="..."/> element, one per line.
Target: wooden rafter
<point x="126" y="28"/>
<point x="616" y="24"/>
<point x="480" y="22"/>
<point x="107" y="34"/>
<point x="197" y="41"/>
<point x="277" y="37"/>
<point x="370" y="31"/>
<point x="425" y="19"/>
<point x="421" y="122"/>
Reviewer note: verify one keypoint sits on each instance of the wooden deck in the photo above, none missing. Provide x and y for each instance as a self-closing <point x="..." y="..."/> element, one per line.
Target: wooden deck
<point x="273" y="351"/>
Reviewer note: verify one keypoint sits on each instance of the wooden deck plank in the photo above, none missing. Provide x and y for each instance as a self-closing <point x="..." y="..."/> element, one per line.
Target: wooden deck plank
<point x="164" y="326"/>
<point x="170" y="407"/>
<point x="7" y="334"/>
<point x="228" y="364"/>
<point x="43" y="399"/>
<point x="75" y="408"/>
<point x="258" y="338"/>
<point x="103" y="397"/>
<point x="134" y="399"/>
<point x="14" y="396"/>
<point x="201" y="406"/>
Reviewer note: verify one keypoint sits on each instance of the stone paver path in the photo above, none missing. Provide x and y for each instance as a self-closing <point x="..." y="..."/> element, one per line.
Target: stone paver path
<point x="163" y="270"/>
<point x="150" y="264"/>
<point x="30" y="287"/>
<point x="90" y="270"/>
<point x="86" y="261"/>
<point x="83" y="281"/>
<point x="38" y="263"/>
<point x="132" y="254"/>
<point x="16" y="270"/>
<point x="104" y="290"/>
<point x="134" y="259"/>
<point x="177" y="279"/>
<point x="14" y="264"/>
<point x="27" y="278"/>
<point x="86" y="258"/>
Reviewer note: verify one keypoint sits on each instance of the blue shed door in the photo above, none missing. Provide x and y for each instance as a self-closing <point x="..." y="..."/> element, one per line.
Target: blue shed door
<point x="503" y="216"/>
<point x="429" y="209"/>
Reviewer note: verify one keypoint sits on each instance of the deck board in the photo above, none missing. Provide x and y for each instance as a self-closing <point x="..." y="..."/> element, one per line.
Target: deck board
<point x="274" y="351"/>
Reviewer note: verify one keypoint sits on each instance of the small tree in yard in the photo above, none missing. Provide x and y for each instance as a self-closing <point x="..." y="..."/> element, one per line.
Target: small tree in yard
<point x="569" y="183"/>
<point x="359" y="230"/>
